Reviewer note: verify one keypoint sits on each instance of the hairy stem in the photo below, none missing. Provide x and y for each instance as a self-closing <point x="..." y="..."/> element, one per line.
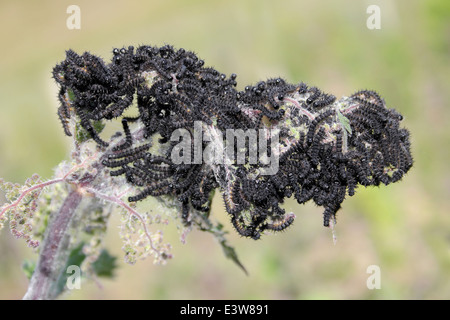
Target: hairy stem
<point x="54" y="251"/>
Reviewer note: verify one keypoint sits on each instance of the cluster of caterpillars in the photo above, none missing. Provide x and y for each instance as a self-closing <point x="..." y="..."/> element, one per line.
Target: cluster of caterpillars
<point x="327" y="147"/>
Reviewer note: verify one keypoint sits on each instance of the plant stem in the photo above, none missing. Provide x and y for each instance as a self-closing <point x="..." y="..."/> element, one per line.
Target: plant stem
<point x="54" y="252"/>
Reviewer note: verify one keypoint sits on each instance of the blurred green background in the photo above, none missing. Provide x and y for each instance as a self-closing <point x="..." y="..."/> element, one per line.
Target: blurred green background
<point x="403" y="228"/>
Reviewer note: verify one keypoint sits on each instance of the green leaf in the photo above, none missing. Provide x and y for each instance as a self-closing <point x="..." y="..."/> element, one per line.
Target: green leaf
<point x="28" y="268"/>
<point x="71" y="95"/>
<point x="76" y="258"/>
<point x="230" y="253"/>
<point x="345" y="123"/>
<point x="105" y="265"/>
<point x="82" y="135"/>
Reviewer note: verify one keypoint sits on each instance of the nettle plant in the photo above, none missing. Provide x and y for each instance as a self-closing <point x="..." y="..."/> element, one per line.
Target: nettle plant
<point x="174" y="111"/>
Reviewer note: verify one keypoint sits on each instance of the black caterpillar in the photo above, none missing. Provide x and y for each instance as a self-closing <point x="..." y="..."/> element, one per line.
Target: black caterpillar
<point x="326" y="147"/>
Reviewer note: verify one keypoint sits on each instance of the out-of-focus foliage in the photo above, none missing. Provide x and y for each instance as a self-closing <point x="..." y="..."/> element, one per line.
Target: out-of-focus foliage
<point x="403" y="228"/>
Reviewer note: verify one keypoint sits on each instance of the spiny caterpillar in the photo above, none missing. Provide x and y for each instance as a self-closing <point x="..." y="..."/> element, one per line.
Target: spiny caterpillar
<point x="326" y="147"/>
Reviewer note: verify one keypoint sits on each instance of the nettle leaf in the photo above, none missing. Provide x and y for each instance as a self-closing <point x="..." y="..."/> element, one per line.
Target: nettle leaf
<point x="76" y="258"/>
<point x="82" y="135"/>
<point x="217" y="230"/>
<point x="28" y="268"/>
<point x="230" y="253"/>
<point x="105" y="264"/>
<point x="71" y="95"/>
<point x="345" y="123"/>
